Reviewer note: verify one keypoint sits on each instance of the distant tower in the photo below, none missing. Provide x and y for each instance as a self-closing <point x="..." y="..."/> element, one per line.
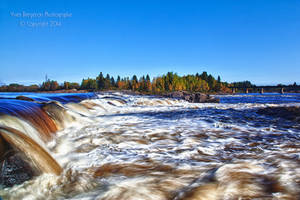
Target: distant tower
<point x="262" y="90"/>
<point x="46" y="78"/>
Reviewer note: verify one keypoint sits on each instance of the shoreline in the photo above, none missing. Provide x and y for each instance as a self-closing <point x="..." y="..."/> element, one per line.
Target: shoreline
<point x="132" y="92"/>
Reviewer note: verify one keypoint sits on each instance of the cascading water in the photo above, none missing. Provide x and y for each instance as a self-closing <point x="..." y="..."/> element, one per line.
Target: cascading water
<point x="25" y="128"/>
<point x="118" y="146"/>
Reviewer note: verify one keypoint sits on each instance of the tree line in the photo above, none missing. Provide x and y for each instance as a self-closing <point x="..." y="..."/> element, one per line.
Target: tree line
<point x="166" y="83"/>
<point x="169" y="82"/>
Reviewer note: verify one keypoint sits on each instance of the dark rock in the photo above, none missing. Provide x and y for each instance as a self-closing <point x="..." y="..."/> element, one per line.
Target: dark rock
<point x="192" y="97"/>
<point x="14" y="170"/>
<point x="24" y="98"/>
<point x="289" y="113"/>
<point x="177" y="94"/>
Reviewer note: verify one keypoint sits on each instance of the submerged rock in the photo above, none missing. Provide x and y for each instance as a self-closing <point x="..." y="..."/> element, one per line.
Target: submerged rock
<point x="289" y="113"/>
<point x="24" y="98"/>
<point x="196" y="97"/>
<point x="14" y="170"/>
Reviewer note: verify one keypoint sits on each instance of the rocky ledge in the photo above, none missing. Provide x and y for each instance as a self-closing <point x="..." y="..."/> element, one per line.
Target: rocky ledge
<point x="196" y="97"/>
<point x="24" y="98"/>
<point x="289" y="113"/>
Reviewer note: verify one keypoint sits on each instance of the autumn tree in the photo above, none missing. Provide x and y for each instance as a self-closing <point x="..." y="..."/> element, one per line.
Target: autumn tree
<point x="134" y="83"/>
<point x="89" y="84"/>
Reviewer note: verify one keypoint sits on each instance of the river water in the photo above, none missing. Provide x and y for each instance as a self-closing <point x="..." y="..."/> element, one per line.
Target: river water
<point x="120" y="146"/>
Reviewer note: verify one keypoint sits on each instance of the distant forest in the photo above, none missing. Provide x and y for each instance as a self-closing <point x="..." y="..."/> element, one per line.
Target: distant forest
<point x="203" y="82"/>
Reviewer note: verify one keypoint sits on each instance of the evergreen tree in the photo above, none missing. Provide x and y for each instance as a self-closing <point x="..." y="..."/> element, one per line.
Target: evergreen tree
<point x="147" y="77"/>
<point x="100" y="81"/>
<point x="211" y="82"/>
<point x="112" y="82"/>
<point x="107" y="82"/>
<point x="134" y="78"/>
<point x="148" y="87"/>
<point x="204" y="76"/>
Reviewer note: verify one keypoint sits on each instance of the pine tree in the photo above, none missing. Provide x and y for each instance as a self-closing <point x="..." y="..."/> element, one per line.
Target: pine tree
<point x="100" y="81"/>
<point x="204" y="76"/>
<point x="112" y="82"/>
<point x="107" y="82"/>
<point x="148" y="84"/>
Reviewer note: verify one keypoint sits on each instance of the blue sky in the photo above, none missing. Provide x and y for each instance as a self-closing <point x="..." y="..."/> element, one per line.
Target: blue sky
<point x="256" y="40"/>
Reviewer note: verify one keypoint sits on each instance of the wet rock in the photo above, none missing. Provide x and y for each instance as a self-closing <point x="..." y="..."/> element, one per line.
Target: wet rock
<point x="289" y="113"/>
<point x="24" y="98"/>
<point x="3" y="148"/>
<point x="193" y="97"/>
<point x="14" y="170"/>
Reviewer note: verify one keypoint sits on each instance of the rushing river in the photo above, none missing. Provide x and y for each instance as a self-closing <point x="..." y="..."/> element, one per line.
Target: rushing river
<point x="114" y="146"/>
